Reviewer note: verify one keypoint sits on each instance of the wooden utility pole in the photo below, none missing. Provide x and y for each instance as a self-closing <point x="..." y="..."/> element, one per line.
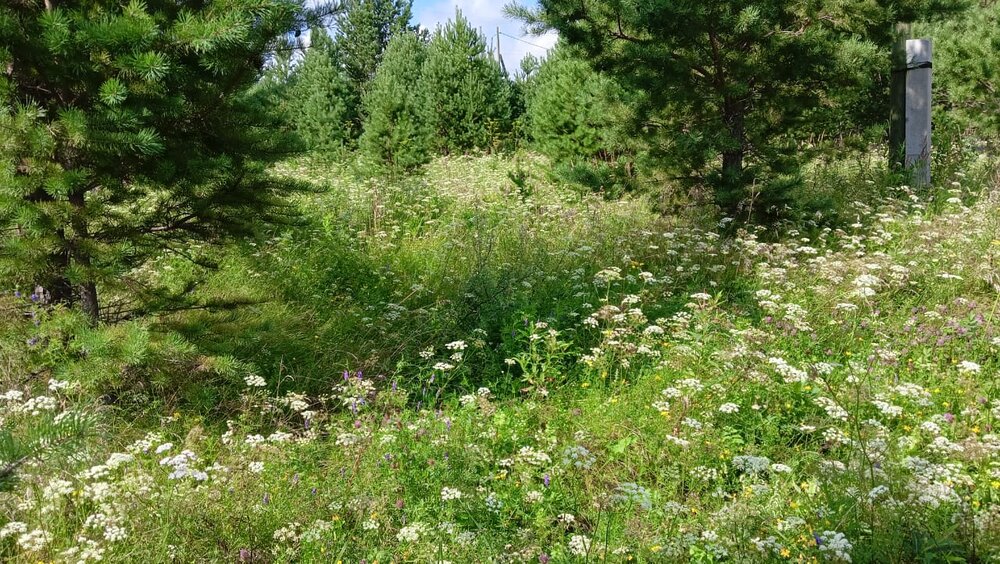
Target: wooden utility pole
<point x="503" y="67"/>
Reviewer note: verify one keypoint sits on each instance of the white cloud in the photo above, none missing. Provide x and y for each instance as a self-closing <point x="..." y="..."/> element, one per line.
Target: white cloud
<point x="488" y="16"/>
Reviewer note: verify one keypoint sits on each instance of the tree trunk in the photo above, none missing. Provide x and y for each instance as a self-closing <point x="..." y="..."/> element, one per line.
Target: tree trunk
<point x="89" y="303"/>
<point x="732" y="164"/>
<point x="730" y="194"/>
<point x="88" y="288"/>
<point x="732" y="155"/>
<point x="59" y="287"/>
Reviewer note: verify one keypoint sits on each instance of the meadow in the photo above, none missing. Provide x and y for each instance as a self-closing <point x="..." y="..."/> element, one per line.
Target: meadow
<point x="481" y="363"/>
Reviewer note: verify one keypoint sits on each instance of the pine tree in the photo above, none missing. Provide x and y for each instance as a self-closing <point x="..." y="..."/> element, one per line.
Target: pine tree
<point x="397" y="131"/>
<point x="467" y="95"/>
<point x="129" y="133"/>
<point x="967" y="68"/>
<point x="571" y="110"/>
<point x="731" y="81"/>
<point x="364" y="30"/>
<point x="321" y="99"/>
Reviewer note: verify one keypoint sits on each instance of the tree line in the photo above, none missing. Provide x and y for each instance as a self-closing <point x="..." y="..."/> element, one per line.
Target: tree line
<point x="398" y="93"/>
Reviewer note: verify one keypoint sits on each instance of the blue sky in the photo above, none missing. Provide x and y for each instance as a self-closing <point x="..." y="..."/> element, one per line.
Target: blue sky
<point x="486" y="15"/>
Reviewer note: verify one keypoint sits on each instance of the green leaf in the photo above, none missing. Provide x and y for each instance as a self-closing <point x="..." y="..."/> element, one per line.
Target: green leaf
<point x="113" y="92"/>
<point x="622" y="445"/>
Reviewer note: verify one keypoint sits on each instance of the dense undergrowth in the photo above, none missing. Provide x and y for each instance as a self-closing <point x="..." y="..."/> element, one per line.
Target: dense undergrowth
<point x="460" y="367"/>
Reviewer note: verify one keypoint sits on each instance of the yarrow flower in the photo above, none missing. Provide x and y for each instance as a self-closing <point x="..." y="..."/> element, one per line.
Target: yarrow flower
<point x="969" y="367"/>
<point x="579" y="545"/>
<point x="834" y="546"/>
<point x="449" y="494"/>
<point x="729" y="408"/>
<point x="411" y="532"/>
<point x="254" y="381"/>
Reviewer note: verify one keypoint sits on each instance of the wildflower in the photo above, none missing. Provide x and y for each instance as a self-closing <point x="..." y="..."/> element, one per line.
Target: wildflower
<point x="34" y="541"/>
<point x="662" y="406"/>
<point x="254" y="381"/>
<point x="256" y="467"/>
<point x="877" y="492"/>
<point x="411" y="532"/>
<point x="729" y="408"/>
<point x="533" y="457"/>
<point x="968" y="367"/>
<point x="789" y="373"/>
<point x="182" y="466"/>
<point x="116" y="459"/>
<point x="347" y="440"/>
<point x="287" y="534"/>
<point x="607" y="276"/>
<point x="534" y="496"/>
<point x="579" y="545"/>
<point x="751" y="464"/>
<point x="493" y="503"/>
<point x="38" y="405"/>
<point x="632" y="493"/>
<point x="835" y="546"/>
<point x="578" y="457"/>
<point x="57" y="385"/>
<point x="887" y="408"/>
<point x="867" y="280"/>
<point x="677" y="440"/>
<point x="449" y="494"/>
<point x="832" y="408"/>
<point x="254" y="440"/>
<point x="13" y="528"/>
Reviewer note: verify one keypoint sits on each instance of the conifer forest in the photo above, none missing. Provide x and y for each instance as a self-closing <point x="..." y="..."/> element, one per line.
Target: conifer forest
<point x="454" y="281"/>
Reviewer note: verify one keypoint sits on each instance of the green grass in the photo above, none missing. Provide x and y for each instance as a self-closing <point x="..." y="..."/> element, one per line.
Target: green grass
<point x="534" y="375"/>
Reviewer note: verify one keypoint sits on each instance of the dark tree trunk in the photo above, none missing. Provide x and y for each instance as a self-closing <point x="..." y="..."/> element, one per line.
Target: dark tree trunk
<point x="732" y="156"/>
<point x="88" y="288"/>
<point x="732" y="164"/>
<point x="89" y="303"/>
<point x="730" y="194"/>
<point x="59" y="287"/>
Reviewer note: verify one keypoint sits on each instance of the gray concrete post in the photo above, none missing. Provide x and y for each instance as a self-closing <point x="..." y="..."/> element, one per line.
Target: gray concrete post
<point x="918" y="110"/>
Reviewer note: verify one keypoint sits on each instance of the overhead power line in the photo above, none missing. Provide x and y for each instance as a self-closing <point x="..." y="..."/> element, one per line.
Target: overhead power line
<point x="525" y="42"/>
